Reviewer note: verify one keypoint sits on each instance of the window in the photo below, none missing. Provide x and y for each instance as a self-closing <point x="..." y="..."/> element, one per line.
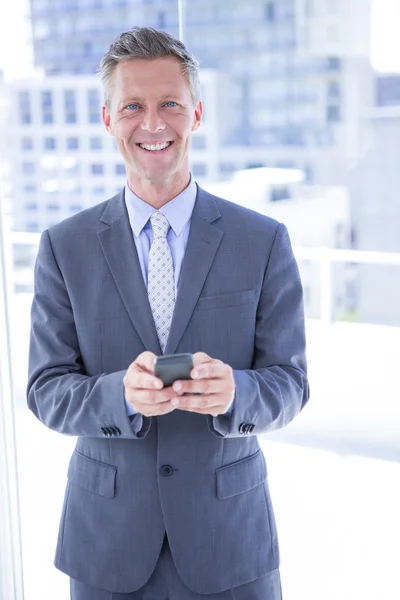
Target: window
<point x="87" y="49"/>
<point x="308" y="173"/>
<point x="70" y="106"/>
<point x="333" y="63"/>
<point x="388" y="90"/>
<point x="227" y="168"/>
<point x="93" y="100"/>
<point x="97" y="169"/>
<point x="53" y="207"/>
<point x="98" y="191"/>
<point x="27" y="143"/>
<point x="32" y="226"/>
<point x="120" y="169"/>
<point x="161" y="20"/>
<point x="333" y="114"/>
<point x="72" y="169"/>
<point x="28" y="168"/>
<point x="333" y="89"/>
<point x="254" y="165"/>
<point x="47" y="107"/>
<point x="270" y="13"/>
<point x="198" y="142"/>
<point x="49" y="143"/>
<point x="31" y="206"/>
<point x="74" y="208"/>
<point x="309" y="8"/>
<point x="96" y="143"/>
<point x="279" y="193"/>
<point x="199" y="170"/>
<point x="25" y="108"/>
<point x="72" y="143"/>
<point x="30" y="188"/>
<point x="286" y="164"/>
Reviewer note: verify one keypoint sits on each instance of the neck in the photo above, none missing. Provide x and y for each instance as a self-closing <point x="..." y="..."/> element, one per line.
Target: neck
<point x="157" y="194"/>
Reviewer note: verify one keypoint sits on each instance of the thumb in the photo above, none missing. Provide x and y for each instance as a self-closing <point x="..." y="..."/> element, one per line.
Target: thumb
<point x="200" y="358"/>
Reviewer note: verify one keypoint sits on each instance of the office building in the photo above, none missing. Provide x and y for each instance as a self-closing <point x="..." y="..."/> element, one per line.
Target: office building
<point x="64" y="160"/>
<point x="374" y="186"/>
<point x="299" y="70"/>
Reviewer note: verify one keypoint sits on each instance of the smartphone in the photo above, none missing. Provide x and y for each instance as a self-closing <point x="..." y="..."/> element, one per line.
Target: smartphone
<point x="171" y="367"/>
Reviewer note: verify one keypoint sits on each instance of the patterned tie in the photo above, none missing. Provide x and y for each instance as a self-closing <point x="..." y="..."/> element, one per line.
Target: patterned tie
<point x="161" y="278"/>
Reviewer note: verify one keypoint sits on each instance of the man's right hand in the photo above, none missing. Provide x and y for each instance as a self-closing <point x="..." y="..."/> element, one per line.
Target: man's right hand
<point x="144" y="391"/>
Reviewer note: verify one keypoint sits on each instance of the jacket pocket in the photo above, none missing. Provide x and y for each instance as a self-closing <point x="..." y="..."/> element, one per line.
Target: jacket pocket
<point x="225" y="300"/>
<point x="241" y="476"/>
<point x="92" y="475"/>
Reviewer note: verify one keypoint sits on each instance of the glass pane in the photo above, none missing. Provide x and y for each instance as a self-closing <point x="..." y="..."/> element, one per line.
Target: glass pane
<point x="302" y="124"/>
<point x="301" y="140"/>
<point x="42" y="186"/>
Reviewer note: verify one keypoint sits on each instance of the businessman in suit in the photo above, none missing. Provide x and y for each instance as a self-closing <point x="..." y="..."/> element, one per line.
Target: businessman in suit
<point x="167" y="494"/>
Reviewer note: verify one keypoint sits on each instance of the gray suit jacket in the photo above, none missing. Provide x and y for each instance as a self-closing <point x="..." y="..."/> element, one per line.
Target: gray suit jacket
<point x="201" y="479"/>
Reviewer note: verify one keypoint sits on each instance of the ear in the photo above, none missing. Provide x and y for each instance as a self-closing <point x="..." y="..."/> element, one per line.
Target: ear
<point x="107" y="119"/>
<point x="198" y="112"/>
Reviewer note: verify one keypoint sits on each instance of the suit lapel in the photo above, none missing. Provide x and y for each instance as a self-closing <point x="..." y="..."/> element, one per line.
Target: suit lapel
<point x="204" y="240"/>
<point x="120" y="253"/>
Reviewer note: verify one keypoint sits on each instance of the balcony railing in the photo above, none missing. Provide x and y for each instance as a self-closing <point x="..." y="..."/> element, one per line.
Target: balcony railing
<point x="325" y="258"/>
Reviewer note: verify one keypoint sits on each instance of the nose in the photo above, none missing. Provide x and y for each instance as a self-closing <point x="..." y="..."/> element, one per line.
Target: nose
<point x="152" y="121"/>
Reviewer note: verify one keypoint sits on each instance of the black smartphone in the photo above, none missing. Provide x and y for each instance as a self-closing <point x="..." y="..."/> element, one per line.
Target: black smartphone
<point x="171" y="367"/>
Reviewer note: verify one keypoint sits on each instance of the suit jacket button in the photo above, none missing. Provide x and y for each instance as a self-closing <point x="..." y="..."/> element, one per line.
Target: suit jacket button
<point x="166" y="470"/>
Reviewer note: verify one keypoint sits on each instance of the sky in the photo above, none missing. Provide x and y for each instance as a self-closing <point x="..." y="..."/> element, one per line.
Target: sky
<point x="16" y="55"/>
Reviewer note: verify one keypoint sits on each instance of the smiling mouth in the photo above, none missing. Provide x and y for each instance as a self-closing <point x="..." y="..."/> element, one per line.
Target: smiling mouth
<point x="155" y="147"/>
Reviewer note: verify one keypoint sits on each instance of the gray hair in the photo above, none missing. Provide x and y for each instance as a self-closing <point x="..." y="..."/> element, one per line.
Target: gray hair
<point x="148" y="43"/>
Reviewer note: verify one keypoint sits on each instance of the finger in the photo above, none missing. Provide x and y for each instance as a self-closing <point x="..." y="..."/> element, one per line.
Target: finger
<point x="151" y="398"/>
<point x="193" y="402"/>
<point x="209" y="370"/>
<point x="157" y="410"/>
<point x="145" y="381"/>
<point x="200" y="358"/>
<point x="199" y="386"/>
<point x="146" y="361"/>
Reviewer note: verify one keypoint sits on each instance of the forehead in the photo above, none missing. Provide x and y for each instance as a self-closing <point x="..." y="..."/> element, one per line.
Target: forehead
<point x="141" y="76"/>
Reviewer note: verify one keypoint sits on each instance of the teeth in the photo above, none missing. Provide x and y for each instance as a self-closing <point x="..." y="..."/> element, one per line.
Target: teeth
<point x="155" y="147"/>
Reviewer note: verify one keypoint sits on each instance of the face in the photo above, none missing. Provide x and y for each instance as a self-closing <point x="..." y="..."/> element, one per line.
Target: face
<point x="152" y="117"/>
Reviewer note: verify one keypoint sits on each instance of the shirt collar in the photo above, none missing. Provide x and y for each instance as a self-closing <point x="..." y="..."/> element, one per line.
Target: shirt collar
<point x="178" y="210"/>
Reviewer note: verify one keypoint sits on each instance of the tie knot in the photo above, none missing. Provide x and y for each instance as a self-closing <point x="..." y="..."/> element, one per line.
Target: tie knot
<point x="160" y="224"/>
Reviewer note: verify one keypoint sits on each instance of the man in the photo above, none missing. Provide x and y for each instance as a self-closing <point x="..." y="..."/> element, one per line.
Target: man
<point x="167" y="496"/>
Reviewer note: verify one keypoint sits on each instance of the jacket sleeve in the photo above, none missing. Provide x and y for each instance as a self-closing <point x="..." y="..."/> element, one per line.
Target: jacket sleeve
<point x="275" y="390"/>
<point x="60" y="393"/>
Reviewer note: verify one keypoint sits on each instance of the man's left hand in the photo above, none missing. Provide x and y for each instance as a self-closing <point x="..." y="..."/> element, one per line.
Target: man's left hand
<point x="210" y="391"/>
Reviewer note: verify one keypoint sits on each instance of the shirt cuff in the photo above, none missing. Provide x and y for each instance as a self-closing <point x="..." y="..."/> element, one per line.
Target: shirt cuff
<point x="130" y="410"/>
<point x="230" y="408"/>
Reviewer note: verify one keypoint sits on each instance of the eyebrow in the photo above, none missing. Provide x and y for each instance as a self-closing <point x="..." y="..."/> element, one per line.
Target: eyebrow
<point x="138" y="100"/>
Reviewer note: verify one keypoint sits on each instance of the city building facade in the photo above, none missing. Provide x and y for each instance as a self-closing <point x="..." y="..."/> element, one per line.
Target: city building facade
<point x="62" y="158"/>
<point x="298" y="69"/>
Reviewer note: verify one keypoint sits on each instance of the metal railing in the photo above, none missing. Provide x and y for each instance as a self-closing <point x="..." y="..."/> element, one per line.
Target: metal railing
<point x="324" y="257"/>
<point x="327" y="257"/>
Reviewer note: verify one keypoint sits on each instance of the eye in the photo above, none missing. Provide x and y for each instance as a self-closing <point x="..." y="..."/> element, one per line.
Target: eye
<point x="171" y="103"/>
<point x="132" y="106"/>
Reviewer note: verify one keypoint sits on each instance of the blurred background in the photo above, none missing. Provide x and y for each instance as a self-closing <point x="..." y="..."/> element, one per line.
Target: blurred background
<point x="302" y="123"/>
